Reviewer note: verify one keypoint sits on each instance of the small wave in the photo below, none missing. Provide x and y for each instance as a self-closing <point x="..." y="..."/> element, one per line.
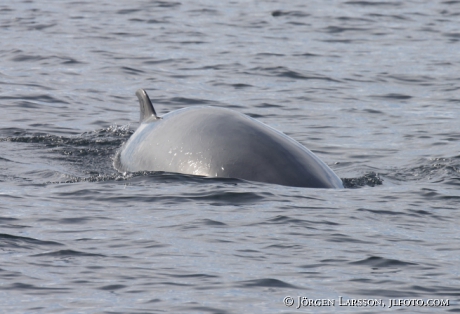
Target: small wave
<point x="339" y="29"/>
<point x="12" y="241"/>
<point x="266" y="282"/>
<point x="380" y="262"/>
<point x="165" y="4"/>
<point x="295" y="222"/>
<point x="210" y="222"/>
<point x="282" y="71"/>
<point x="112" y="287"/>
<point x="374" y="3"/>
<point x="69" y="253"/>
<point x="279" y="13"/>
<point x="19" y="286"/>
<point x="37" y="58"/>
<point x="393" y="96"/>
<point x="198" y="275"/>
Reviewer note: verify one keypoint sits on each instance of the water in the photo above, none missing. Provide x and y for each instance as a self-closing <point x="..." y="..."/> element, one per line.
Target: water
<point x="371" y="87"/>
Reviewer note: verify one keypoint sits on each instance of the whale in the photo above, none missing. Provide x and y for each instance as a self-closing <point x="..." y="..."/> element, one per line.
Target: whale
<point x="218" y="142"/>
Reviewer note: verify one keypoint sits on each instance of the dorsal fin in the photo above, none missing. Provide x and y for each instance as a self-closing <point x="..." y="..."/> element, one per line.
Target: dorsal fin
<point x="147" y="110"/>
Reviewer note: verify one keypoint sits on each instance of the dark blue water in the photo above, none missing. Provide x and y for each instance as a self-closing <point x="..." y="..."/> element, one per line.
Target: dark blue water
<point x="372" y="87"/>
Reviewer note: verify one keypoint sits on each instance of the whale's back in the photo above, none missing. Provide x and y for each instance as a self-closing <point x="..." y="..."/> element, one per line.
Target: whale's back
<point x="218" y="142"/>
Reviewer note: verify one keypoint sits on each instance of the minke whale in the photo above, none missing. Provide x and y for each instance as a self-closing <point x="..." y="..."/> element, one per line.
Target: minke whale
<point x="217" y="142"/>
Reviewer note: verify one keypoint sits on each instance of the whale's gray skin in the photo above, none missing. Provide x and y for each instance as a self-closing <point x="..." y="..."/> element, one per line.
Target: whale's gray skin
<point x="216" y="142"/>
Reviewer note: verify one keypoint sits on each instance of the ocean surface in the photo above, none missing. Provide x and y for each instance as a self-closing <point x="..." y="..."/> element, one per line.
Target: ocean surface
<point x="371" y="87"/>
